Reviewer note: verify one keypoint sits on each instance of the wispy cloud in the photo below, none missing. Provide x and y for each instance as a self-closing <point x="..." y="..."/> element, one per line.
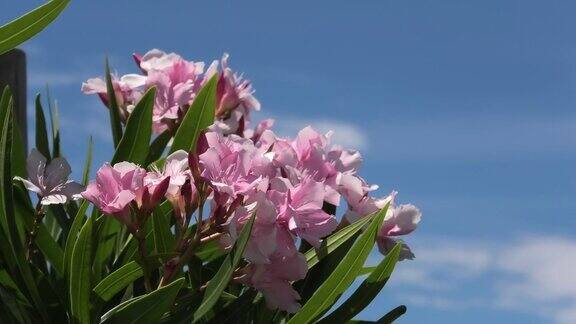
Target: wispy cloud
<point x="346" y="134"/>
<point x="479" y="137"/>
<point x="533" y="274"/>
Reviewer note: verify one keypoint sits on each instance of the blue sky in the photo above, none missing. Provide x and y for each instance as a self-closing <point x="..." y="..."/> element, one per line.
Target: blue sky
<point x="467" y="108"/>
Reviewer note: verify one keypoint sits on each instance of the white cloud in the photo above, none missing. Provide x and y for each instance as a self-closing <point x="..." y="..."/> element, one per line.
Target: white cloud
<point x="534" y="275"/>
<point x="479" y="137"/>
<point x="346" y="134"/>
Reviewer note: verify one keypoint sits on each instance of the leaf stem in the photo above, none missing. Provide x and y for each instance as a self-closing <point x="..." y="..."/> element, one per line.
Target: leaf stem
<point x="31" y="237"/>
<point x="170" y="270"/>
<point x="140" y="235"/>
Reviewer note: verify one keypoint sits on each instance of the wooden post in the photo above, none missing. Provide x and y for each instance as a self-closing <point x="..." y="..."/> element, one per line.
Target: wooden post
<point x="13" y="74"/>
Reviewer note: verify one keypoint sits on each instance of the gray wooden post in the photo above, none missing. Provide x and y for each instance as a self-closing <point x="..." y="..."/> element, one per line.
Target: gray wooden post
<point x="13" y="74"/>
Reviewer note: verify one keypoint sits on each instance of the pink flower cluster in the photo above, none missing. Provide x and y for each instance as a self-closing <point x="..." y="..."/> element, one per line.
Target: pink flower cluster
<point x="294" y="186"/>
<point x="177" y="83"/>
<point x="287" y="183"/>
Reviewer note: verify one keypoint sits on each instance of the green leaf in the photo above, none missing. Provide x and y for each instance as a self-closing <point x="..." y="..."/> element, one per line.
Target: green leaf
<point x="133" y="146"/>
<point x="145" y="309"/>
<point x="44" y="240"/>
<point x="55" y="122"/>
<point x="220" y="281"/>
<point x="163" y="238"/>
<point x="113" y="109"/>
<point x="236" y="309"/>
<point x="14" y="252"/>
<point x="158" y="147"/>
<point x="199" y="116"/>
<point x="73" y="234"/>
<point x="332" y="242"/>
<point x="393" y="315"/>
<point x="368" y="290"/>
<point x="118" y="280"/>
<point x="209" y="251"/>
<point x="25" y="27"/>
<point x="342" y="276"/>
<point x="12" y="298"/>
<point x="88" y="162"/>
<point x="366" y="271"/>
<point x="41" y="130"/>
<point x="80" y="279"/>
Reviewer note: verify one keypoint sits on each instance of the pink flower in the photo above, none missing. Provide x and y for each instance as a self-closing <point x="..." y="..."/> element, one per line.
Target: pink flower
<point x="226" y="165"/>
<point x="152" y="195"/>
<point x="50" y="182"/>
<point x="274" y="280"/>
<point x="176" y="168"/>
<point x="177" y="82"/>
<point x="400" y="220"/>
<point x="366" y="206"/>
<point x="128" y="89"/>
<point x="115" y="188"/>
<point x="302" y="211"/>
<point x="256" y="134"/>
<point x="172" y="97"/>
<point x="156" y="59"/>
<point x="234" y="92"/>
<point x="268" y="237"/>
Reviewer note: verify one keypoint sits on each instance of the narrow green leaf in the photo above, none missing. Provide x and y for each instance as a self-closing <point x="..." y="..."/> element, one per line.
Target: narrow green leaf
<point x="25" y="27"/>
<point x="199" y="116"/>
<point x="393" y="315"/>
<point x="80" y="279"/>
<point x="342" y="276"/>
<point x="113" y="109"/>
<point x="209" y="251"/>
<point x="158" y="147"/>
<point x="366" y="271"/>
<point x="50" y="249"/>
<point x="73" y="234"/>
<point x="41" y="131"/>
<point x="118" y="280"/>
<point x="145" y="309"/>
<point x="332" y="242"/>
<point x="236" y="309"/>
<point x="133" y="146"/>
<point x="55" y="124"/>
<point x="12" y="297"/>
<point x="368" y="290"/>
<point x="220" y="281"/>
<point x="14" y="253"/>
<point x="88" y="162"/>
<point x="163" y="238"/>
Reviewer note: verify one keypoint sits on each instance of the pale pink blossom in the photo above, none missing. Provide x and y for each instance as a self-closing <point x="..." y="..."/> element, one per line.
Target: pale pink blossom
<point x="234" y="92"/>
<point x="176" y="87"/>
<point x="269" y="235"/>
<point x="176" y="168"/>
<point x="156" y="59"/>
<point x="399" y="220"/>
<point x="274" y="280"/>
<point x="50" y="181"/>
<point x="227" y="166"/>
<point x="128" y="90"/>
<point x="302" y="211"/>
<point x="115" y="188"/>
